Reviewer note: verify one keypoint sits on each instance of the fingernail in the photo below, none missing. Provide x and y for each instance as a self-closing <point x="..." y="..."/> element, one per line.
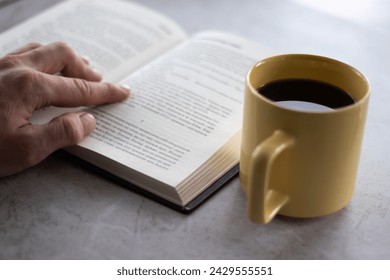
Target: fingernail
<point x="126" y="88"/>
<point x="89" y="122"/>
<point x="86" y="59"/>
<point x="97" y="72"/>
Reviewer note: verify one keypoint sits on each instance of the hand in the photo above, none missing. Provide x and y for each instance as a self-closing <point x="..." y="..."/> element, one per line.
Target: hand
<point x="27" y="83"/>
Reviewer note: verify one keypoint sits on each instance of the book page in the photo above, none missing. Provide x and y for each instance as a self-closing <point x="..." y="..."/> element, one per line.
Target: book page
<point x="184" y="107"/>
<point x="117" y="36"/>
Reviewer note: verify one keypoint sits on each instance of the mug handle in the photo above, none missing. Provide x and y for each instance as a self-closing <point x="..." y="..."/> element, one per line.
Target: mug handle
<point x="263" y="201"/>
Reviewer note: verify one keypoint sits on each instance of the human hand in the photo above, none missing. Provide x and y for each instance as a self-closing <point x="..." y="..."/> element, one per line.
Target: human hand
<point x="28" y="83"/>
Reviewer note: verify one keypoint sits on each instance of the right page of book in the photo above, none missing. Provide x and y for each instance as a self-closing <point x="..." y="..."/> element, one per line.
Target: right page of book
<point x="184" y="106"/>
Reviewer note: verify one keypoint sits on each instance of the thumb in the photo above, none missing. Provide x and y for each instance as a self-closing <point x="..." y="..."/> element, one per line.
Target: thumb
<point x="36" y="142"/>
<point x="68" y="129"/>
<point x="65" y="130"/>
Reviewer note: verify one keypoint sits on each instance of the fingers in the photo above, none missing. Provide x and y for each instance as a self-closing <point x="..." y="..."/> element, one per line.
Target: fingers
<point x="59" y="57"/>
<point x="27" y="83"/>
<point x="39" y="141"/>
<point x="71" y="92"/>
<point x="40" y="89"/>
<point x="26" y="48"/>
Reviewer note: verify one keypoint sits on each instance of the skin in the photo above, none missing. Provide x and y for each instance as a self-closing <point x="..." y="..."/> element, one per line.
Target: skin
<point x="36" y="76"/>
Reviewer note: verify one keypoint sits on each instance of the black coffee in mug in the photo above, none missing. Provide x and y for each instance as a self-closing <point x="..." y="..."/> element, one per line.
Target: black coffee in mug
<point x="307" y="91"/>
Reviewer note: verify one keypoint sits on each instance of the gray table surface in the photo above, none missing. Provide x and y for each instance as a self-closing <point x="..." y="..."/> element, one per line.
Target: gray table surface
<point x="58" y="210"/>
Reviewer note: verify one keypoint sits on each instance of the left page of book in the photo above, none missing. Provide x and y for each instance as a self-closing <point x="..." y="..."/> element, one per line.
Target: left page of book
<point x="118" y="36"/>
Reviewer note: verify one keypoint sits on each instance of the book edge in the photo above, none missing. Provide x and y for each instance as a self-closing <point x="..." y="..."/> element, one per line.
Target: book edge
<point x="186" y="209"/>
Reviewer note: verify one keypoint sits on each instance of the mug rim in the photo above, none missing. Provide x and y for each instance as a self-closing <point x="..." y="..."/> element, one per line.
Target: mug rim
<point x="317" y="58"/>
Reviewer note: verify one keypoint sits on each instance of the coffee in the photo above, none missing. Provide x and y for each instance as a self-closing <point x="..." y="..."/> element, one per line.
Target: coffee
<point x="308" y="91"/>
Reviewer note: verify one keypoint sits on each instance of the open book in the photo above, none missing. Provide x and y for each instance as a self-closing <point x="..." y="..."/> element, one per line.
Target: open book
<point x="178" y="136"/>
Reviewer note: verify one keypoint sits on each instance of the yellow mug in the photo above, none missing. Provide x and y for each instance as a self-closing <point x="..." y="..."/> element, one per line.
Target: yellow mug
<point x="297" y="162"/>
